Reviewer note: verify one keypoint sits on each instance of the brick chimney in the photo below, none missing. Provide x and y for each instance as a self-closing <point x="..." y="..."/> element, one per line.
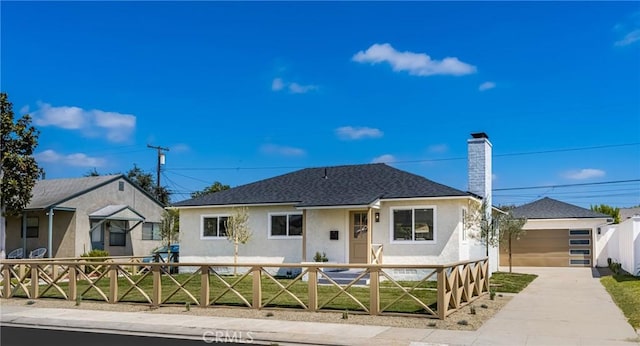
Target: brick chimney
<point x="479" y="165"/>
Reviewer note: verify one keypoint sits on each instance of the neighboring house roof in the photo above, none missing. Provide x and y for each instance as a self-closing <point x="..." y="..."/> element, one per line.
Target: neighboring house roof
<point x="49" y="193"/>
<point x="627" y="213"/>
<point x="330" y="186"/>
<point x="549" y="208"/>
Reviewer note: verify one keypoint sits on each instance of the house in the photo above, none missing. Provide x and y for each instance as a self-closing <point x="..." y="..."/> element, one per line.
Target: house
<point x="557" y="234"/>
<point x="346" y="212"/>
<point x="69" y="217"/>
<point x="628" y="213"/>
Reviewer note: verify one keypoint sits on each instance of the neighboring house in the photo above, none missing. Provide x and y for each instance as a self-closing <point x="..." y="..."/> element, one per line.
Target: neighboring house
<point x="345" y="212"/>
<point x="620" y="243"/>
<point x="627" y="213"/>
<point x="558" y="234"/>
<point x="69" y="217"/>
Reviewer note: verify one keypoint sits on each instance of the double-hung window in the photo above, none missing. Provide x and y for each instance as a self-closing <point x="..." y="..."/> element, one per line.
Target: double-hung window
<point x="151" y="231"/>
<point x="413" y="224"/>
<point x="285" y="225"/>
<point x="117" y="232"/>
<point x="214" y="226"/>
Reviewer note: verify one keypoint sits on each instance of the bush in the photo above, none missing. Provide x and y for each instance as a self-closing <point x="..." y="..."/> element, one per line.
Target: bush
<point x="95" y="253"/>
<point x="320" y="257"/>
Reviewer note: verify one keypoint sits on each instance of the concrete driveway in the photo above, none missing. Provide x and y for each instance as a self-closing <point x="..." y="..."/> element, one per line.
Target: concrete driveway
<point x="563" y="306"/>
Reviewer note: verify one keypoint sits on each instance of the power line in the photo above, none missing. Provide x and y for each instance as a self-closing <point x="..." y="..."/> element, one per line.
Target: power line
<point x="414" y="161"/>
<point x="566" y="185"/>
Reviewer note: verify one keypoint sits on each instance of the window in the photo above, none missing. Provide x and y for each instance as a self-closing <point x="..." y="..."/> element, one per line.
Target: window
<point x="117" y="232"/>
<point x="415" y="224"/>
<point x="464" y="224"/>
<point x="580" y="261"/>
<point x="579" y="232"/>
<point x="121" y="186"/>
<point x="285" y="225"/>
<point x="214" y="226"/>
<point x="579" y="241"/>
<point x="151" y="231"/>
<point x="580" y="252"/>
<point x="33" y="226"/>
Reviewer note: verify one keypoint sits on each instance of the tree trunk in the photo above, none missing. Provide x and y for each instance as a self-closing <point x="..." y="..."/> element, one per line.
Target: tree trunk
<point x="235" y="258"/>
<point x="3" y="233"/>
<point x="509" y="253"/>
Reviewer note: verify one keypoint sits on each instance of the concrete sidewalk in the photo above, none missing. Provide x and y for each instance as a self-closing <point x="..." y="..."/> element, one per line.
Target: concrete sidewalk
<point x="564" y="306"/>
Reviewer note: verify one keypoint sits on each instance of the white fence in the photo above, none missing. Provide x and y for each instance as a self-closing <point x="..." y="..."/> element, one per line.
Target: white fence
<point x="621" y="243"/>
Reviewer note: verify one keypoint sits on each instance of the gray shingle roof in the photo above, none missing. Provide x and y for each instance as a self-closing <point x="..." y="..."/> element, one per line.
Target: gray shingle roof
<point x="343" y="185"/>
<point x="48" y="193"/>
<point x="549" y="208"/>
<point x="626" y="213"/>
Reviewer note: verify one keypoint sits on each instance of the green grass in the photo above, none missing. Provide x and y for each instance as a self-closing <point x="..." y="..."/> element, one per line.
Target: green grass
<point x="244" y="287"/>
<point x="625" y="291"/>
<point x="511" y="282"/>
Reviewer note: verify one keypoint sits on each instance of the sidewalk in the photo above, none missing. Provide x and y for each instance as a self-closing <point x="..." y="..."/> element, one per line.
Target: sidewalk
<point x="563" y="306"/>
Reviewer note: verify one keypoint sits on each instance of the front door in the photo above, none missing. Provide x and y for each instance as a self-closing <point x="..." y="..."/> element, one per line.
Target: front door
<point x="97" y="236"/>
<point x="358" y="229"/>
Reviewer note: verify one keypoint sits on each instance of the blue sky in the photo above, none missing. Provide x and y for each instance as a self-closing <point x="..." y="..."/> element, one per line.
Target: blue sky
<point x="245" y="91"/>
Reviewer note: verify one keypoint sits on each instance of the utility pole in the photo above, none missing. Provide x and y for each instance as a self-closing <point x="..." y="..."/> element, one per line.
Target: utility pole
<point x="159" y="167"/>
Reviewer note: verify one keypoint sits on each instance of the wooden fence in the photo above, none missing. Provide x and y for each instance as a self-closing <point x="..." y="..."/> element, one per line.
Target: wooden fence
<point x="441" y="289"/>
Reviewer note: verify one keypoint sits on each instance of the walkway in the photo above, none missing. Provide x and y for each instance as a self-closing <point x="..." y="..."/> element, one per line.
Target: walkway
<point x="563" y="306"/>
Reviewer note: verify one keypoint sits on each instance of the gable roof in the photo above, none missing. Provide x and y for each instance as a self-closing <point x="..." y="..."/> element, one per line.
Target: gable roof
<point x="549" y="208"/>
<point x="627" y="213"/>
<point x="330" y="186"/>
<point x="48" y="193"/>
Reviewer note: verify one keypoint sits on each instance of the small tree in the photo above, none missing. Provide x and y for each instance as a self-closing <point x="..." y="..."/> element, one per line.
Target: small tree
<point x="486" y="227"/>
<point x="238" y="232"/>
<point x="169" y="229"/>
<point x="510" y="228"/>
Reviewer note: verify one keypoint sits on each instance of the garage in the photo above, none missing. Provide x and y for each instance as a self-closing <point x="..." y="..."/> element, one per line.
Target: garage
<point x="557" y="234"/>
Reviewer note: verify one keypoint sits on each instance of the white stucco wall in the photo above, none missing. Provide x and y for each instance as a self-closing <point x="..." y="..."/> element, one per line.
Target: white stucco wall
<point x="621" y="243"/>
<point x="319" y="223"/>
<point x="195" y="249"/>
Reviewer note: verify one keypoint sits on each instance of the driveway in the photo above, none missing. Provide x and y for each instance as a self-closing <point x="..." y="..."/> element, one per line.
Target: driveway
<point x="563" y="306"/>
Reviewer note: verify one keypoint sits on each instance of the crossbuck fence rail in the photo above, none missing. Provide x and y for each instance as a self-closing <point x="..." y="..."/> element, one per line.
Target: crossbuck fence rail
<point x="439" y="290"/>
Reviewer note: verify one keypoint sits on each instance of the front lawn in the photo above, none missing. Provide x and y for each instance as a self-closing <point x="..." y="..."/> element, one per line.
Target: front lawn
<point x="511" y="282"/>
<point x="625" y="291"/>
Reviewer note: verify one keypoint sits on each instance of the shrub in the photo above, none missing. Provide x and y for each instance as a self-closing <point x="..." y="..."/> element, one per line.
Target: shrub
<point x="472" y="309"/>
<point x="320" y="257"/>
<point x="95" y="253"/>
<point x="463" y="322"/>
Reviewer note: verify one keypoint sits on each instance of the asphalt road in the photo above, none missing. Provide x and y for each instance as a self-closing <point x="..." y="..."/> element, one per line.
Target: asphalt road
<point x="19" y="336"/>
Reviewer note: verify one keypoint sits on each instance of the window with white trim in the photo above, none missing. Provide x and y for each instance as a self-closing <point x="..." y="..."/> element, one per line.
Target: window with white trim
<point x="413" y="224"/>
<point x="581" y="252"/>
<point x="117" y="232"/>
<point x="579" y="261"/>
<point x="285" y="224"/>
<point x="33" y="225"/>
<point x="579" y="241"/>
<point x="151" y="231"/>
<point x="214" y="226"/>
<point x="579" y="232"/>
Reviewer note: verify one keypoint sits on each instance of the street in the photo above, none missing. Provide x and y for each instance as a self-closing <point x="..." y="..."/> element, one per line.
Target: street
<point x="19" y="336"/>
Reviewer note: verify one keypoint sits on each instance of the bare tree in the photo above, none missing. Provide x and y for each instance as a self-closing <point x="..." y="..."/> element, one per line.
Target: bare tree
<point x="238" y="232"/>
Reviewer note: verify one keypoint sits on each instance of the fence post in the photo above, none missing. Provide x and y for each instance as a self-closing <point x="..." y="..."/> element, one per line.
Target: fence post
<point x="6" y="281"/>
<point x="313" y="288"/>
<point x="73" y="283"/>
<point x="442" y="305"/>
<point x="157" y="285"/>
<point x="204" y="286"/>
<point x="35" y="280"/>
<point x="113" y="283"/>
<point x="374" y="291"/>
<point x="256" y="272"/>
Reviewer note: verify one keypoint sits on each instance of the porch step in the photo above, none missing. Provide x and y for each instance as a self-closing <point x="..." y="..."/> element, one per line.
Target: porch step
<point x="344" y="277"/>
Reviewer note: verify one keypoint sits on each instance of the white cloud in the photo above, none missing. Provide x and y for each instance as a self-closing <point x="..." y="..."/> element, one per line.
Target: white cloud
<point x="494" y="177"/>
<point x="277" y="84"/>
<point x="116" y="127"/>
<point x="486" y="86"/>
<point x="585" y="173"/>
<point x="76" y="159"/>
<point x="438" y="148"/>
<point x="386" y="158"/>
<point x="24" y="110"/>
<point x="351" y="133"/>
<point x="296" y="88"/>
<point x="180" y="148"/>
<point x="417" y="64"/>
<point x="274" y="149"/>
<point x="629" y="38"/>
